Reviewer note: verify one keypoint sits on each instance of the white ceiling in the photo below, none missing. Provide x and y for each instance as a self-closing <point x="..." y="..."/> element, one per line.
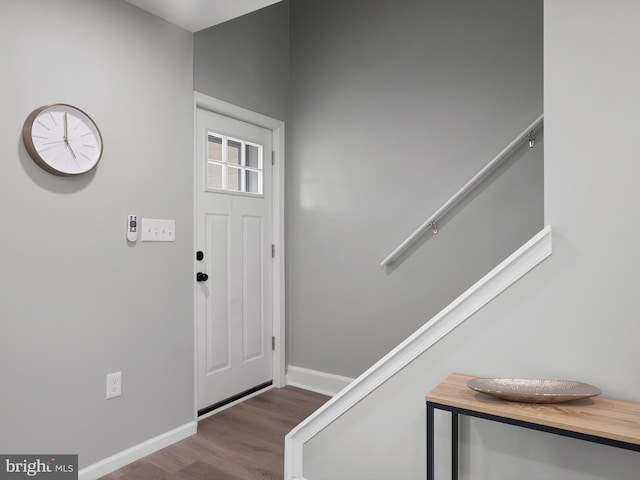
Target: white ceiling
<point x="195" y="15"/>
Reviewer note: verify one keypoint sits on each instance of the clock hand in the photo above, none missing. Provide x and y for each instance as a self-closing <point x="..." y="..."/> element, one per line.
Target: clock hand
<point x="71" y="150"/>
<point x="65" y="138"/>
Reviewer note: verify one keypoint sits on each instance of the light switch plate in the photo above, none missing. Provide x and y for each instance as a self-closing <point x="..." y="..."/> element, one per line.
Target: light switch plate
<point x="153" y="230"/>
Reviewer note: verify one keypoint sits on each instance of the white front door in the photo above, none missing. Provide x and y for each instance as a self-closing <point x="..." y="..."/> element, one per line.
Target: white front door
<point x="233" y="238"/>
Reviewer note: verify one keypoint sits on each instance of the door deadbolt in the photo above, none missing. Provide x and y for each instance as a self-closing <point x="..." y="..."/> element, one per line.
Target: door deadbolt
<point x="202" y="277"/>
<point x="199" y="255"/>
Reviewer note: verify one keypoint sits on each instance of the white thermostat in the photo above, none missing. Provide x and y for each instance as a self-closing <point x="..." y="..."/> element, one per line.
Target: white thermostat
<point x="132" y="228"/>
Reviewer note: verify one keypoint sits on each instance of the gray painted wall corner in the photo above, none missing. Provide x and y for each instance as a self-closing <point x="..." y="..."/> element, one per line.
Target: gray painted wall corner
<point x="245" y="61"/>
<point x="394" y="106"/>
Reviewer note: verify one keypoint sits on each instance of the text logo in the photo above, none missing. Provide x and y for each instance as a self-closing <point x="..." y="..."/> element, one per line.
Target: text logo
<point x="49" y="467"/>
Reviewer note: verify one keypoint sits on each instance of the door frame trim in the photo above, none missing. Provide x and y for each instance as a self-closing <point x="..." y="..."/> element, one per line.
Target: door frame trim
<point x="200" y="100"/>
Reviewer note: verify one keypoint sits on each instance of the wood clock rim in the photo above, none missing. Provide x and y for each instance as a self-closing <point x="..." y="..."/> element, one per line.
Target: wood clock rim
<point x="31" y="149"/>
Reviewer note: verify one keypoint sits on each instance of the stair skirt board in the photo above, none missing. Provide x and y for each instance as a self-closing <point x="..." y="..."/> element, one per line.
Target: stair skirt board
<point x="482" y="292"/>
<point x="119" y="460"/>
<point x="315" y="381"/>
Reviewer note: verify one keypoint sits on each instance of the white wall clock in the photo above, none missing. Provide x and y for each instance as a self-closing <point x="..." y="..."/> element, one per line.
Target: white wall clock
<point x="62" y="139"/>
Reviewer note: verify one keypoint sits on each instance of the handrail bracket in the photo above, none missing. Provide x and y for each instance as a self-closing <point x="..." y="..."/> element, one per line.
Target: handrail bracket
<point x="532" y="141"/>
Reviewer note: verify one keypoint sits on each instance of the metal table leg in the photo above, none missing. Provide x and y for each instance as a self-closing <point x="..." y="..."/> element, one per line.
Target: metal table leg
<point x="454" y="446"/>
<point x="430" y="443"/>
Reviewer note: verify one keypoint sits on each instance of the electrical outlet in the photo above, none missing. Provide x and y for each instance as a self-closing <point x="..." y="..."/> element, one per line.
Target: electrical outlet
<point x="114" y="385"/>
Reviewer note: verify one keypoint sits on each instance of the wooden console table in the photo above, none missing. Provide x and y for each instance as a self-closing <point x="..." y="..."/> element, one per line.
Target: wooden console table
<point x="597" y="419"/>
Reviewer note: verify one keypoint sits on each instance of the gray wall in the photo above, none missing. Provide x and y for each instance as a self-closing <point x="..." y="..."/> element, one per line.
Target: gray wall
<point x="574" y="317"/>
<point x="77" y="301"/>
<point x="393" y="107"/>
<point x="245" y="61"/>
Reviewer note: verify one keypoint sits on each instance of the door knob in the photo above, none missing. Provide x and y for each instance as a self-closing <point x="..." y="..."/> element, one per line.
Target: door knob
<point x="202" y="277"/>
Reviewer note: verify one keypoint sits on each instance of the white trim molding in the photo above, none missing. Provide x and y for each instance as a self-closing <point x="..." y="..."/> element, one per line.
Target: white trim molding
<point x="319" y="382"/>
<point x="119" y="460"/>
<point x="481" y="293"/>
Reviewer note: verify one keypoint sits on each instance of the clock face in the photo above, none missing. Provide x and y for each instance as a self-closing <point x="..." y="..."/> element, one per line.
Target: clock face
<point x="62" y="139"/>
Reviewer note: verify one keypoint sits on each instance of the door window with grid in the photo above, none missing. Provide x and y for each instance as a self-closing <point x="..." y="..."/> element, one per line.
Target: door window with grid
<point x="233" y="165"/>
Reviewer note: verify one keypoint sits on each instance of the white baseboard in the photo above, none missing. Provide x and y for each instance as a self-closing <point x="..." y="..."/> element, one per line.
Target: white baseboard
<point x="119" y="460"/>
<point x="320" y="382"/>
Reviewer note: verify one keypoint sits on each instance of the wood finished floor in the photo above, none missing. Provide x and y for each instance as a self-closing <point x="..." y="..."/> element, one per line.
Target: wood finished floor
<point x="244" y="442"/>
